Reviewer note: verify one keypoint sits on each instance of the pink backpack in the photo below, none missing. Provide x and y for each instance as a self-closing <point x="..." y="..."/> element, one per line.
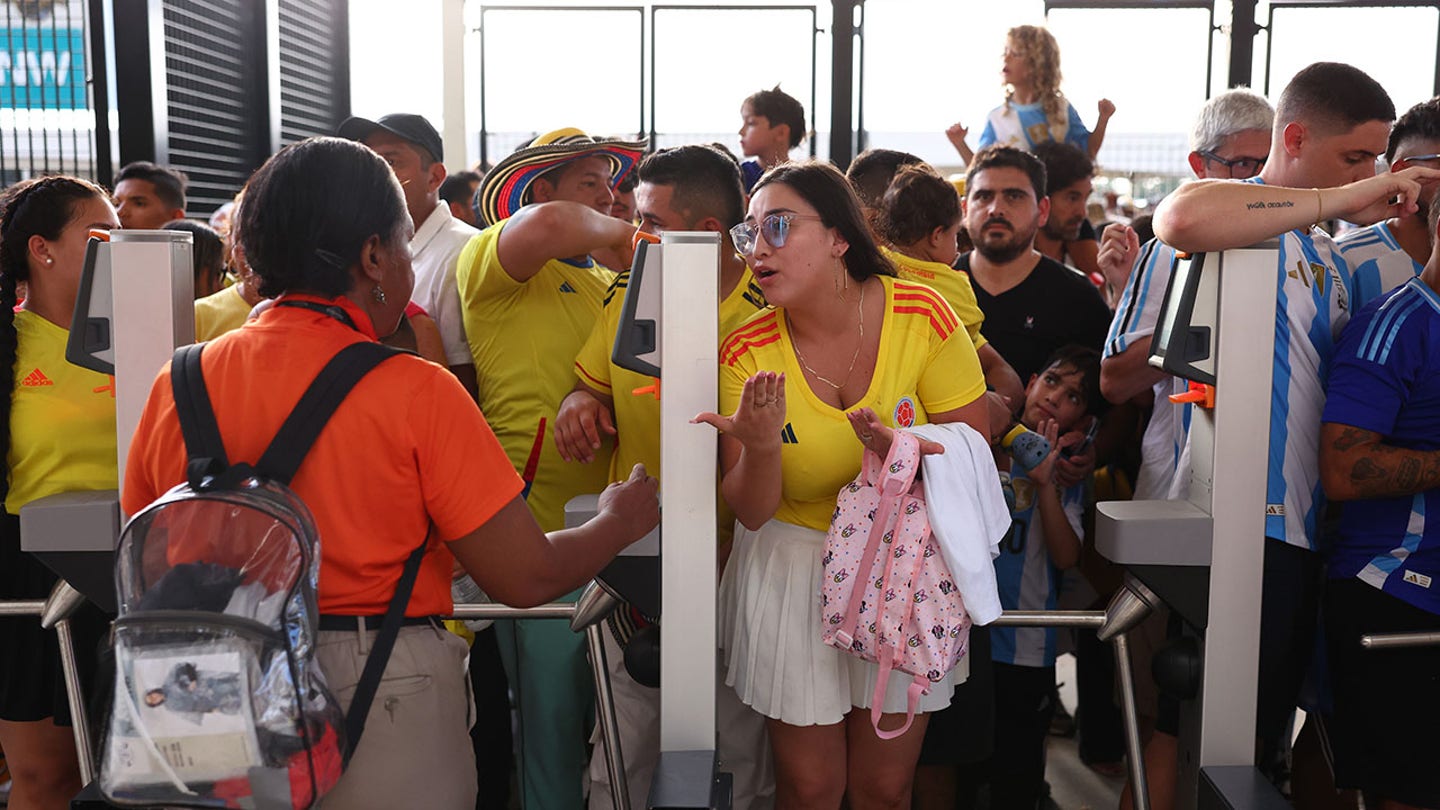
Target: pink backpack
<point x="886" y="594"/>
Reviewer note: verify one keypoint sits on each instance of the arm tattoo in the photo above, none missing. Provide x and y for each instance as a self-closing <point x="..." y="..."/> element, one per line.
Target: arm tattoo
<point x="1351" y="438"/>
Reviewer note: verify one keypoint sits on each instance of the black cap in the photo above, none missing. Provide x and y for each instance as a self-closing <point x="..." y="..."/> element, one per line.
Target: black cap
<point x="413" y="128"/>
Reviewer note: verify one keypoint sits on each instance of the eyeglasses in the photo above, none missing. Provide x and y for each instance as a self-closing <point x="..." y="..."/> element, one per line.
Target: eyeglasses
<point x="1240" y="168"/>
<point x="775" y="228"/>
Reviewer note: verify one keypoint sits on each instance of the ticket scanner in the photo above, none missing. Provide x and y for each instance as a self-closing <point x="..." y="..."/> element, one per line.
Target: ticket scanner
<point x="672" y="572"/>
<point x="1204" y="555"/>
<point x="135" y="305"/>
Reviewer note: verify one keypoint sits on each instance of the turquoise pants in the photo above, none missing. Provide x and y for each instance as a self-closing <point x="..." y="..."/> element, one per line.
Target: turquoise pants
<point x="554" y="692"/>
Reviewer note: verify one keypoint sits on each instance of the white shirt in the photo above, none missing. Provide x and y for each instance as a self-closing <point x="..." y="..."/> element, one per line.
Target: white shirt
<point x="436" y="246"/>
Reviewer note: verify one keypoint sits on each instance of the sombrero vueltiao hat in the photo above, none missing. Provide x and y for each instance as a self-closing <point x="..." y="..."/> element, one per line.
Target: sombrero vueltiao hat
<point x="503" y="191"/>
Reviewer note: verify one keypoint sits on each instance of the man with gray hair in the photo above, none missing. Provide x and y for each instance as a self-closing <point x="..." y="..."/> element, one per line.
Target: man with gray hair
<point x="1231" y="139"/>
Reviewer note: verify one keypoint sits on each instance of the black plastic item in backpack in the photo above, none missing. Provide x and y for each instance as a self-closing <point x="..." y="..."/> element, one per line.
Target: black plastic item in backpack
<point x="209" y="468"/>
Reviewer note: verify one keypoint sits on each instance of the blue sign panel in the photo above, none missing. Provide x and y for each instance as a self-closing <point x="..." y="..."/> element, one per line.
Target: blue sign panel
<point x="42" y="69"/>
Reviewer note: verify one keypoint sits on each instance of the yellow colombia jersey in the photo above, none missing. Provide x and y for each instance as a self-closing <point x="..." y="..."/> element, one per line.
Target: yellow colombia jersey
<point x="637" y="418"/>
<point x="925" y="365"/>
<point x="62" y="419"/>
<point x="524" y="338"/>
<point x="220" y="312"/>
<point x="952" y="284"/>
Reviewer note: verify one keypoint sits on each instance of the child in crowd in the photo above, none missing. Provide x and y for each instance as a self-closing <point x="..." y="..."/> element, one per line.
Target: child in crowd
<point x="772" y="123"/>
<point x="1035" y="110"/>
<point x="1044" y="539"/>
<point x="207" y="253"/>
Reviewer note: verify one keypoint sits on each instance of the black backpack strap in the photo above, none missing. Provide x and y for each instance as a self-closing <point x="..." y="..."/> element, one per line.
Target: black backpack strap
<point x="380" y="653"/>
<point x="302" y="427"/>
<point x="204" y="447"/>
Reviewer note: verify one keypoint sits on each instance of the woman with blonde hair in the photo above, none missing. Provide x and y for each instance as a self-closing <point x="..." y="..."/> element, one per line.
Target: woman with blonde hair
<point x="1035" y="111"/>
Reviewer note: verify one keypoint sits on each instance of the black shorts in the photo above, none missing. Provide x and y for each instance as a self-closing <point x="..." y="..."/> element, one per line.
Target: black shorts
<point x="1288" y="610"/>
<point x="963" y="733"/>
<point x="1387" y="702"/>
<point x="32" y="686"/>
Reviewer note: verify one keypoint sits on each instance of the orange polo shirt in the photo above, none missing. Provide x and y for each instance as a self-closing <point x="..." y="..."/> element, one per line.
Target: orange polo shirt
<point x="407" y="448"/>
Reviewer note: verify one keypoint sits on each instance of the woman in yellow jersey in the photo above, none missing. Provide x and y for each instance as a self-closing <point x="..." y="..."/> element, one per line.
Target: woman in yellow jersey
<point x="58" y="433"/>
<point x="846" y="353"/>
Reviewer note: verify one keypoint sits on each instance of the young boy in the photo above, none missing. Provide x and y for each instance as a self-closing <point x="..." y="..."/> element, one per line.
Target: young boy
<point x="1044" y="539"/>
<point x="772" y="123"/>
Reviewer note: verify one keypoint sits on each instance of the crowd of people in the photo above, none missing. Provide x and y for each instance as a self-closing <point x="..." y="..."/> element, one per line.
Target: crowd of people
<point x="851" y="306"/>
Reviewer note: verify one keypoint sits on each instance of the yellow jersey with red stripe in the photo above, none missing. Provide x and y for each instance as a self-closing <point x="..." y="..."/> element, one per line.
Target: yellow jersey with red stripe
<point x="926" y="364"/>
<point x="523" y="338"/>
<point x="62" y="419"/>
<point x="952" y="284"/>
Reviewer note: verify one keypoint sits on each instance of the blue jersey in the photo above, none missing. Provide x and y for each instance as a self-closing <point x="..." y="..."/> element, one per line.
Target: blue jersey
<point x="1025" y="578"/>
<point x="1025" y="125"/>
<point x="1387" y="380"/>
<point x="1377" y="263"/>
<point x="1134" y="321"/>
<point x="1312" y="305"/>
<point x="750" y="173"/>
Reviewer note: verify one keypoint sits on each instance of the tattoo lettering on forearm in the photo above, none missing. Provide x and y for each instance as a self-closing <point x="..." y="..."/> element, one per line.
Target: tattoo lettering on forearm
<point x="1256" y="206"/>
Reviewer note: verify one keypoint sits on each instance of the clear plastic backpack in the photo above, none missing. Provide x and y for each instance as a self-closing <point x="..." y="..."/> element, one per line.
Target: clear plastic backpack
<point x="218" y="699"/>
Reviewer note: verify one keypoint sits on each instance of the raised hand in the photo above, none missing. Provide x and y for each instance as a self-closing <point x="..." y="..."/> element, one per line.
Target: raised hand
<point x="760" y="416"/>
<point x="1119" y="248"/>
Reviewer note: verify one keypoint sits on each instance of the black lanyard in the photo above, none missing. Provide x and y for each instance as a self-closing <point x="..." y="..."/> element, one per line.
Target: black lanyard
<point x="331" y="310"/>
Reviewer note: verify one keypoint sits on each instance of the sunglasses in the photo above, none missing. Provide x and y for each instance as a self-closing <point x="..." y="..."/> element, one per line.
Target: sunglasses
<point x="1240" y="168"/>
<point x="775" y="228"/>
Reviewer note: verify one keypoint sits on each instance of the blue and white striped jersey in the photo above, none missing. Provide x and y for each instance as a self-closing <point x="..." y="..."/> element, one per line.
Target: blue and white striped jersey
<point x="1377" y="263"/>
<point x="1387" y="380"/>
<point x="1025" y="578"/>
<point x="1134" y="322"/>
<point x="1312" y="306"/>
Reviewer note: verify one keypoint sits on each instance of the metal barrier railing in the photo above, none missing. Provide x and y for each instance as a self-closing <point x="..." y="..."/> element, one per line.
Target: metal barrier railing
<point x="1393" y="641"/>
<point x="1126" y="610"/>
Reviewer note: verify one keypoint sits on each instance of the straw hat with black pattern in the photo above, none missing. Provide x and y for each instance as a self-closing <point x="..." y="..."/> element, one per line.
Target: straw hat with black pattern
<point x="506" y="187"/>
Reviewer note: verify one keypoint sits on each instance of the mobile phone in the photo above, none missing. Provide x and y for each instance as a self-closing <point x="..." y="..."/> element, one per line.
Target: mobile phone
<point x="1085" y="443"/>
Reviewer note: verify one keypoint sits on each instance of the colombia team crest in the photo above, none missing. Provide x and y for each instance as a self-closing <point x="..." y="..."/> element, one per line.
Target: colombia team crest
<point x="904" y="415"/>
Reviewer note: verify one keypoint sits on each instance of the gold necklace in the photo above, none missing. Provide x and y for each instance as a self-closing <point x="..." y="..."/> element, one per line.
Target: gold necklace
<point x="856" y="356"/>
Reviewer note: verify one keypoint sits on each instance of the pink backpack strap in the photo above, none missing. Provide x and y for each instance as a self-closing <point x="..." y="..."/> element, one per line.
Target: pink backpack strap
<point x="893" y="481"/>
<point x="912" y="701"/>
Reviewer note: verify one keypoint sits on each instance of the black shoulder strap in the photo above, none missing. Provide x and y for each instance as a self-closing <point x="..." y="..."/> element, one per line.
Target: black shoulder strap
<point x="379" y="657"/>
<point x="204" y="447"/>
<point x="302" y="427"/>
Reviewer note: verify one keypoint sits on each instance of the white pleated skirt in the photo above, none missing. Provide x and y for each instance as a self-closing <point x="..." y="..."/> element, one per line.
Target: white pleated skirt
<point x="770" y="634"/>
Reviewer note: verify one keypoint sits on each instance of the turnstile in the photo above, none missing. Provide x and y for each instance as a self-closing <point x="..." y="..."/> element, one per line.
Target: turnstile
<point x="1204" y="555"/>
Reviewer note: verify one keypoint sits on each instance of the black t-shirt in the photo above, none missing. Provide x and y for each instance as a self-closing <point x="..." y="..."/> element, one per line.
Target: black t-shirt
<point x="1053" y="307"/>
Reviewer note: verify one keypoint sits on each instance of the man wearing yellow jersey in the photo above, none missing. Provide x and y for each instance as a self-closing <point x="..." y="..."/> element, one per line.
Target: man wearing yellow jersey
<point x="687" y="188"/>
<point x="530" y="294"/>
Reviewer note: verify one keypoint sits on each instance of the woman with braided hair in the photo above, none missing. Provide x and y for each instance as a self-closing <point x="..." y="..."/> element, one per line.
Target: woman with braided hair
<point x="57" y="431"/>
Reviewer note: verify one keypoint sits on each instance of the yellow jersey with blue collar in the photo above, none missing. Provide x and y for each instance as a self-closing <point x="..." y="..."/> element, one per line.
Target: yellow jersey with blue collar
<point x="62" y="419"/>
<point x="926" y="364"/>
<point x="524" y="337"/>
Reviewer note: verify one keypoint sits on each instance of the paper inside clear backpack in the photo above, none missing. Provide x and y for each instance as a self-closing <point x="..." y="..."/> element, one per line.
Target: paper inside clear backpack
<point x="886" y="594"/>
<point x="218" y="700"/>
